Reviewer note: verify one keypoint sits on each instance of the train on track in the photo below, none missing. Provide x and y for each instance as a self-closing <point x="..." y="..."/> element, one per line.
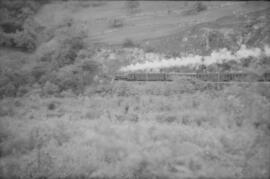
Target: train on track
<point x="208" y="76"/>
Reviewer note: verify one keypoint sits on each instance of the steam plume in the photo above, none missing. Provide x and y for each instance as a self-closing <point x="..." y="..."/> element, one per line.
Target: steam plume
<point x="220" y="56"/>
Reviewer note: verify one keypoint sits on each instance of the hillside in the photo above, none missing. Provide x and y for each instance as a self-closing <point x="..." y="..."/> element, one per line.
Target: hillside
<point x="62" y="114"/>
<point x="151" y="21"/>
<point x="173" y="28"/>
<point x="251" y="29"/>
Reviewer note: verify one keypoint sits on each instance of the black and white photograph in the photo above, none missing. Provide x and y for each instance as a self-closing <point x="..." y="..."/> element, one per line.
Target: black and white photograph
<point x="133" y="89"/>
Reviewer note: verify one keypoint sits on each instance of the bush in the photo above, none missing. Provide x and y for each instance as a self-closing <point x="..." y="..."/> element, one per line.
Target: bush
<point x="98" y="3"/>
<point x="263" y="90"/>
<point x="39" y="70"/>
<point x="6" y="110"/>
<point x="55" y="63"/>
<point x="63" y="53"/>
<point x="18" y="11"/>
<point x="70" y="77"/>
<point x="116" y="23"/>
<point x="129" y="43"/>
<point x="197" y="8"/>
<point x="74" y="77"/>
<point x="132" y="6"/>
<point x="13" y="83"/>
<point x="90" y="66"/>
<point x="51" y="106"/>
<point x="69" y="50"/>
<point x="19" y="30"/>
<point x="149" y="49"/>
<point x="22" y="90"/>
<point x="67" y="80"/>
<point x="25" y="40"/>
<point x="50" y="88"/>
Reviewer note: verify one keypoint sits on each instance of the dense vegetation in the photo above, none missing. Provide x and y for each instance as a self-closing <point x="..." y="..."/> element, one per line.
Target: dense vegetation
<point x="153" y="130"/>
<point x="56" y="68"/>
<point x="17" y="27"/>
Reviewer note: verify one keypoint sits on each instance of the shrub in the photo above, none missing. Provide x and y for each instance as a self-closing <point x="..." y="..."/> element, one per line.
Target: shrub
<point x="97" y="3"/>
<point x="67" y="80"/>
<point x="122" y="89"/>
<point x="263" y="90"/>
<point x="9" y="27"/>
<point x="103" y="89"/>
<point x="39" y="70"/>
<point x="69" y="50"/>
<point x="116" y="23"/>
<point x="6" y="110"/>
<point x="148" y="49"/>
<point x="199" y="6"/>
<point x="132" y="6"/>
<point x="50" y="88"/>
<point x="14" y="83"/>
<point x="90" y="66"/>
<point x="196" y="8"/>
<point x="22" y="90"/>
<point x="24" y="40"/>
<point x="53" y="69"/>
<point x="166" y="118"/>
<point x="73" y="77"/>
<point x="93" y="114"/>
<point x="51" y="106"/>
<point x="19" y="30"/>
<point x="128" y="43"/>
<point x="89" y="70"/>
<point x="86" y="53"/>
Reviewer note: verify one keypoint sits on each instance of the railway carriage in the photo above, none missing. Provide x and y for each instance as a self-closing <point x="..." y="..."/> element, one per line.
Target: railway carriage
<point x="148" y="77"/>
<point x="157" y="76"/>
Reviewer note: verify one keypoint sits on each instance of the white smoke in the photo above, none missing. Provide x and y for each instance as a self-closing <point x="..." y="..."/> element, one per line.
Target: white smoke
<point x="267" y="51"/>
<point x="155" y="62"/>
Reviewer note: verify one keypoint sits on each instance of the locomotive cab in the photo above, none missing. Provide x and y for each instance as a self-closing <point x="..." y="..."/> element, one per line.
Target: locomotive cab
<point x="121" y="76"/>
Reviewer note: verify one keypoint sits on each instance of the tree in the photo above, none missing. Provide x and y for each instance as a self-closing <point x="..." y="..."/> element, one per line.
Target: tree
<point x="199" y="6"/>
<point x="132" y="6"/>
<point x="196" y="8"/>
<point x="17" y="28"/>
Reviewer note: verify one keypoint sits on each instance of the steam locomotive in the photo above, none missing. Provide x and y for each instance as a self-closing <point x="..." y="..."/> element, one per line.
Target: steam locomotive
<point x="211" y="76"/>
<point x="143" y="76"/>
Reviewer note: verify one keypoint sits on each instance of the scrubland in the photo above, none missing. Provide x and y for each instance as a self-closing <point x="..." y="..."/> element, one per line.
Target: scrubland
<point x="138" y="130"/>
<point x="62" y="115"/>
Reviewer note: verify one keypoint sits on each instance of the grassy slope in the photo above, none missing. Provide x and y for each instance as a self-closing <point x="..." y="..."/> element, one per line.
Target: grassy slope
<point x="228" y="32"/>
<point x="153" y="19"/>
